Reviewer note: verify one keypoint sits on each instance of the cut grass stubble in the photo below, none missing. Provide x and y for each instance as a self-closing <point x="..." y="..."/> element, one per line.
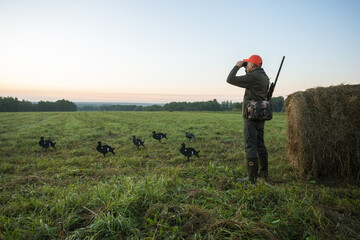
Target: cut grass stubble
<point x="154" y="192"/>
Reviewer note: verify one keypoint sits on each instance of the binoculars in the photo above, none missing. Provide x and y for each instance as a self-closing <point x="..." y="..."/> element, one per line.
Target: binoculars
<point x="244" y="64"/>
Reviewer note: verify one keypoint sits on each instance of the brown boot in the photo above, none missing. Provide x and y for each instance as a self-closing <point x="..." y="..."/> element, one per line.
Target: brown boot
<point x="263" y="160"/>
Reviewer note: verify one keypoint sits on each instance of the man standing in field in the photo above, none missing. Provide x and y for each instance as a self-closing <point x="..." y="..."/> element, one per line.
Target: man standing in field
<point x="256" y="83"/>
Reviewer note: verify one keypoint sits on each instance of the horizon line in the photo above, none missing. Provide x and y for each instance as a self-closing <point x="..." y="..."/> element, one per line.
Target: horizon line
<point x="128" y="102"/>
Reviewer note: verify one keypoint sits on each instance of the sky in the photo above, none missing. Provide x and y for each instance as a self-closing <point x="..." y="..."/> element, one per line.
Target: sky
<point x="161" y="51"/>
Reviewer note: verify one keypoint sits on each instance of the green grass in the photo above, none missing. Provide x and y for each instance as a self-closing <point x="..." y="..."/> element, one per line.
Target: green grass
<point x="155" y="193"/>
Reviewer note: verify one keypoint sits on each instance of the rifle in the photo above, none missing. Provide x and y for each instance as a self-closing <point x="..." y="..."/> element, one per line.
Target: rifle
<point x="272" y="86"/>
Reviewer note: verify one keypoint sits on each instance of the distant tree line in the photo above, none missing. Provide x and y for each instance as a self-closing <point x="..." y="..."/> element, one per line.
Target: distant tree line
<point x="121" y="108"/>
<point x="213" y="105"/>
<point x="10" y="104"/>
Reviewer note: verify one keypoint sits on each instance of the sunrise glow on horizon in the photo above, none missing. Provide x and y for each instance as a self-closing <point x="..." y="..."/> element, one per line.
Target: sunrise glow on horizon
<point x="162" y="51"/>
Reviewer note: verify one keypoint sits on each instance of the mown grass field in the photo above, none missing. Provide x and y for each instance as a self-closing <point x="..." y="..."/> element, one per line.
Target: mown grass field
<point x="155" y="193"/>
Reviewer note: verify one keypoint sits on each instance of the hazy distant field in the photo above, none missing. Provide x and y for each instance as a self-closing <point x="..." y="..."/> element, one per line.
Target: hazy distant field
<point x="155" y="193"/>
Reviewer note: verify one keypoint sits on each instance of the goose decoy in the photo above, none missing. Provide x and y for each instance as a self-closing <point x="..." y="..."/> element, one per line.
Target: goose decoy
<point x="137" y="142"/>
<point x="188" y="152"/>
<point x="159" y="136"/>
<point x="190" y="136"/>
<point x="104" y="149"/>
<point x="46" y="143"/>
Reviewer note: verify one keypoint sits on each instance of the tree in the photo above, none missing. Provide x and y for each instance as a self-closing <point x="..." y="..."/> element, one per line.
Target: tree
<point x="26" y="106"/>
<point x="64" y="105"/>
<point x="236" y="106"/>
<point x="10" y="104"/>
<point x="278" y="104"/>
<point x="226" y="105"/>
<point x="43" y="106"/>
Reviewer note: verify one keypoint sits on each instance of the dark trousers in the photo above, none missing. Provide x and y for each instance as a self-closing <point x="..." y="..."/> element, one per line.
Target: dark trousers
<point x="254" y="138"/>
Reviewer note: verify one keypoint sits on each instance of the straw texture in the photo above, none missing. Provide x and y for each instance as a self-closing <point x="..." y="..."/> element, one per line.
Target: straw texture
<point x="323" y="131"/>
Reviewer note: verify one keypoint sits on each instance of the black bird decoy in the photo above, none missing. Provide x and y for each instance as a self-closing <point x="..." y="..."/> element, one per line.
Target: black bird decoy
<point x="104" y="149"/>
<point x="46" y="143"/>
<point x="138" y="142"/>
<point x="188" y="152"/>
<point x="159" y="136"/>
<point x="190" y="136"/>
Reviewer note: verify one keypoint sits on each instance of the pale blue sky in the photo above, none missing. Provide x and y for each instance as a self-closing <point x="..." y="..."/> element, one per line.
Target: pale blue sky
<point x="162" y="51"/>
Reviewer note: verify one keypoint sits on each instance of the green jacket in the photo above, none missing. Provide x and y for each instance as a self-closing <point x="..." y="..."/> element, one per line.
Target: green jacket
<point x="255" y="82"/>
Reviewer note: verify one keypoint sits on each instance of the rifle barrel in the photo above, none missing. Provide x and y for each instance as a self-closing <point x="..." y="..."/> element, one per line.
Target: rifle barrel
<point x="277" y="76"/>
<point x="272" y="85"/>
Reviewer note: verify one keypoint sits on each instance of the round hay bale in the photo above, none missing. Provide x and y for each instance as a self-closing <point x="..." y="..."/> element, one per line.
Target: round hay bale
<point x="323" y="131"/>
